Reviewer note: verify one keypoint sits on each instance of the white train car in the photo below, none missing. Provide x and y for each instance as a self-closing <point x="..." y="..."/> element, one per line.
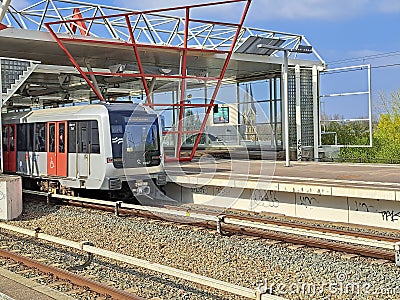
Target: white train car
<point x="112" y="147"/>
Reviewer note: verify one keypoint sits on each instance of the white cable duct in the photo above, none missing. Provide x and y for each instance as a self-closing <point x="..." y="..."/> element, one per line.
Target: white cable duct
<point x="3" y="9"/>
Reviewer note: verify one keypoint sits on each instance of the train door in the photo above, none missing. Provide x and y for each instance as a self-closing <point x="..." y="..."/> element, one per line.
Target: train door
<point x="83" y="149"/>
<point x="9" y="148"/>
<point x="57" y="150"/>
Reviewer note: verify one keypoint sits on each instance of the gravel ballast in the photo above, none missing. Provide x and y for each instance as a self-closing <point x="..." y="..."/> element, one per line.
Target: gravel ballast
<point x="301" y="273"/>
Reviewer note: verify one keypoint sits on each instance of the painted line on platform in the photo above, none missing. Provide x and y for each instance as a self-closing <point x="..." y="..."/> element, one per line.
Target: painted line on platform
<point x="291" y="179"/>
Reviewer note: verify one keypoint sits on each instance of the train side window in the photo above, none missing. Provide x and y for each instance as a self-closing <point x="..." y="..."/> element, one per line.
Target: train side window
<point x="5" y="138"/>
<point x="86" y="133"/>
<point x="83" y="137"/>
<point x="52" y="138"/>
<point x="12" y="136"/>
<point x="94" y="140"/>
<point x="22" y="133"/>
<point x="72" y="140"/>
<point x="61" y="138"/>
<point x="29" y="134"/>
<point x="40" y="137"/>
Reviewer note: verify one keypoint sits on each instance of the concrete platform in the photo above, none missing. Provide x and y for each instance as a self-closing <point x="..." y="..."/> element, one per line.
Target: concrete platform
<point x="354" y="193"/>
<point x="14" y="286"/>
<point x="351" y="180"/>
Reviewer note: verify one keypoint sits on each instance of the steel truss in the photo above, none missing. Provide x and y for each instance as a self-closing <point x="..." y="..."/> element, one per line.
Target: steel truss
<point x="153" y="28"/>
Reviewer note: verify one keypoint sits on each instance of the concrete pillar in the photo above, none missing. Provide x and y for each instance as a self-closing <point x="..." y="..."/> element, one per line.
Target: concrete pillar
<point x="299" y="148"/>
<point x="316" y="114"/>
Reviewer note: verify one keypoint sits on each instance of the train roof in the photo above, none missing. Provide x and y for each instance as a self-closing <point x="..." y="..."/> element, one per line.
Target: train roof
<point x="72" y="112"/>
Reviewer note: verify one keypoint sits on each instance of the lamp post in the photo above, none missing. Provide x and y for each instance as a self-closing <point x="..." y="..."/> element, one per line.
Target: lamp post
<point x="285" y="97"/>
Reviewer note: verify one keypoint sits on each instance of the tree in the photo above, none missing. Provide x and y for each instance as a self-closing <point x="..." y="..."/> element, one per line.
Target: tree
<point x="192" y="122"/>
<point x="346" y="133"/>
<point x="386" y="135"/>
<point x="389" y="106"/>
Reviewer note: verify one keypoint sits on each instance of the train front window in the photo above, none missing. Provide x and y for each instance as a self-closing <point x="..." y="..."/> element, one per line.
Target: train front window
<point x="141" y="137"/>
<point x="135" y="140"/>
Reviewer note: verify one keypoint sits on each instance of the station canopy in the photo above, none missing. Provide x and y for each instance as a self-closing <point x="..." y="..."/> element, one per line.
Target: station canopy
<point x="124" y="53"/>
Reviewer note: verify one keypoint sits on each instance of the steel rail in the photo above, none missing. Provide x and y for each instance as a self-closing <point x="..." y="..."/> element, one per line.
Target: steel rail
<point x="322" y="230"/>
<point x="328" y="238"/>
<point x="240" y="227"/>
<point x="74" y="278"/>
<point x="100" y="288"/>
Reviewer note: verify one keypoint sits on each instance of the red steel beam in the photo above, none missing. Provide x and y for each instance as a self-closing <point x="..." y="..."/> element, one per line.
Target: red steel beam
<point x="175" y="159"/>
<point x="184" y="104"/>
<point x="139" y="62"/>
<point x="224" y="68"/>
<point x="74" y="62"/>
<point x="215" y="22"/>
<point x="152" y="11"/>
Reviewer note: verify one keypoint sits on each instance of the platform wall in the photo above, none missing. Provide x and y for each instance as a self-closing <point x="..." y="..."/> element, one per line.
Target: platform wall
<point x="372" y="212"/>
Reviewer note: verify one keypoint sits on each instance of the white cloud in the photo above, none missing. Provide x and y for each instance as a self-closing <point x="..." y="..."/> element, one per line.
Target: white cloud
<point x="366" y="56"/>
<point x="265" y="9"/>
<point x="363" y="53"/>
<point x="389" y="6"/>
<point x="231" y="12"/>
<point x="19" y="4"/>
<point x="152" y="4"/>
<point x="308" y="9"/>
<point x="285" y="9"/>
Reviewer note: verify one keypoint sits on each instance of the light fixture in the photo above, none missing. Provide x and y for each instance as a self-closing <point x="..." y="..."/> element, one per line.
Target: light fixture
<point x="303" y="49"/>
<point x="118" y="68"/>
<point x="165" y="71"/>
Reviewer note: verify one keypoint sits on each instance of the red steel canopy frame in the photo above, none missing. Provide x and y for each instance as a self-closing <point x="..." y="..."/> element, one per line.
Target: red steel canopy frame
<point x="77" y="22"/>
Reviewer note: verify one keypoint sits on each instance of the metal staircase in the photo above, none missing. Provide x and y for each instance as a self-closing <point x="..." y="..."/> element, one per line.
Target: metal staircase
<point x="14" y="72"/>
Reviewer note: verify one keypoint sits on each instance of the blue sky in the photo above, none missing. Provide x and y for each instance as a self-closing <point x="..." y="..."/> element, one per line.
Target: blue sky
<point x="367" y="31"/>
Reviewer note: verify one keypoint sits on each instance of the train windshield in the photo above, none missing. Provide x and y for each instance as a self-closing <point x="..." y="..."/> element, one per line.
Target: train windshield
<point x="135" y="140"/>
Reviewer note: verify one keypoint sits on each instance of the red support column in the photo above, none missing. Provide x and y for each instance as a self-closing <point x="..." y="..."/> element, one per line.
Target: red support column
<point x="227" y="60"/>
<point x="183" y="85"/>
<point x="73" y="61"/>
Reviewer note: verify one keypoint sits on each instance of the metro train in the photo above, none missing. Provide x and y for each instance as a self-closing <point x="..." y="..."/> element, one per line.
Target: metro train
<point x="114" y="147"/>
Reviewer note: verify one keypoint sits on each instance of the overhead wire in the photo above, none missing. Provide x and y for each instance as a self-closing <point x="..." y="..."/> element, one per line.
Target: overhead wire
<point x="361" y="68"/>
<point x="362" y="58"/>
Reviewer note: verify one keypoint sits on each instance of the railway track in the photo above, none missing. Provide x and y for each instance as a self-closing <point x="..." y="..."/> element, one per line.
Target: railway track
<point x="103" y="289"/>
<point x="72" y="284"/>
<point x="348" y="241"/>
